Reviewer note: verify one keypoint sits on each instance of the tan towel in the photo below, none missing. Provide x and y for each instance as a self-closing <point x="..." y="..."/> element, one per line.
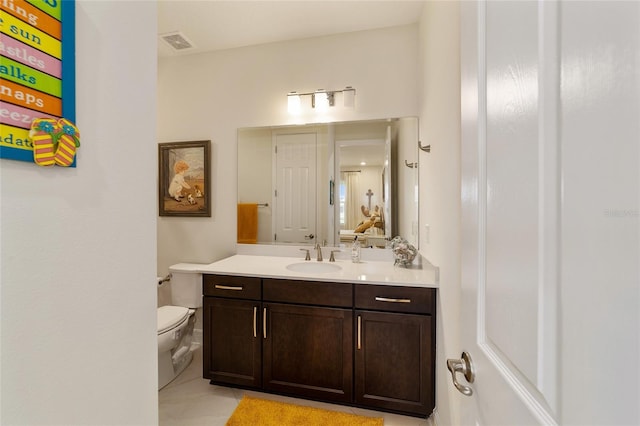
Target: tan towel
<point x="248" y="223"/>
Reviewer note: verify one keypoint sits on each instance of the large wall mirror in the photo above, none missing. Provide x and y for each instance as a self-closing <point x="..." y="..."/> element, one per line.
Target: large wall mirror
<point x="329" y="183"/>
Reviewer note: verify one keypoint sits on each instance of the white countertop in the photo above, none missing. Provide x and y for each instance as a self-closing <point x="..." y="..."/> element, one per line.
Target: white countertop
<point x="421" y="274"/>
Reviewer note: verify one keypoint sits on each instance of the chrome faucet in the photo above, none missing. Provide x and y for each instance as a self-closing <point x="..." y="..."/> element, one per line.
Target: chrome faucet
<point x="306" y="257"/>
<point x="319" y="258"/>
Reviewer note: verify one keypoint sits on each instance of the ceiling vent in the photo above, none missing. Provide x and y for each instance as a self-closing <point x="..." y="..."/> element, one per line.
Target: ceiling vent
<point x="177" y="41"/>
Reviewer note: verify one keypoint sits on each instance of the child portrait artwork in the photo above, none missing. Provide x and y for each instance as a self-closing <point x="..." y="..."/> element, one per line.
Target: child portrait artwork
<point x="178" y="182"/>
<point x="184" y="179"/>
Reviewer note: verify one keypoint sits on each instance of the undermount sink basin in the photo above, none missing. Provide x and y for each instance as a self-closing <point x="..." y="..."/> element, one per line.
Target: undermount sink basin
<point x="313" y="267"/>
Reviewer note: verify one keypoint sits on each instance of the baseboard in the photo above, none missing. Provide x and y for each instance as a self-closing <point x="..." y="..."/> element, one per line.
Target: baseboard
<point x="197" y="336"/>
<point x="433" y="419"/>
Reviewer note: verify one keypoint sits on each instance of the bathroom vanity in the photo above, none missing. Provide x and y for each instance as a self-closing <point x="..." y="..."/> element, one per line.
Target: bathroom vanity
<point x="356" y="334"/>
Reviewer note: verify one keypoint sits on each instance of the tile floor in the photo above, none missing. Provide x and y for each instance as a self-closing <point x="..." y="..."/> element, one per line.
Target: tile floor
<point x="191" y="400"/>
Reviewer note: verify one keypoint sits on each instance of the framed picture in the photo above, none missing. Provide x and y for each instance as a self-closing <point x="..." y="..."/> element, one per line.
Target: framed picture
<point x="184" y="187"/>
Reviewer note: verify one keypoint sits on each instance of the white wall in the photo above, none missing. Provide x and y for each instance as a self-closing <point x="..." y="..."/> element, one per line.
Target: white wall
<point x="78" y="254"/>
<point x="210" y="96"/>
<point x="440" y="183"/>
<point x="600" y="213"/>
<point x="407" y="180"/>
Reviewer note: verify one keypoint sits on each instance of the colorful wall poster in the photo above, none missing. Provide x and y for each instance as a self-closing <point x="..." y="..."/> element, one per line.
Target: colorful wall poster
<point x="37" y="69"/>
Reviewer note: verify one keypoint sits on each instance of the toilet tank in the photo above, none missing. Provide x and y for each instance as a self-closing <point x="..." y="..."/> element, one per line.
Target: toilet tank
<point x="186" y="285"/>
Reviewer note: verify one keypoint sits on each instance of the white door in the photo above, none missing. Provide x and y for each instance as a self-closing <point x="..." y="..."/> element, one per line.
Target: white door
<point x="295" y="192"/>
<point x="550" y="224"/>
<point x="509" y="216"/>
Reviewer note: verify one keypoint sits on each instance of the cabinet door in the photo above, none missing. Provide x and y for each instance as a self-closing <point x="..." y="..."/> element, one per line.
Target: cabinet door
<point x="232" y="351"/>
<point x="308" y="351"/>
<point x="394" y="361"/>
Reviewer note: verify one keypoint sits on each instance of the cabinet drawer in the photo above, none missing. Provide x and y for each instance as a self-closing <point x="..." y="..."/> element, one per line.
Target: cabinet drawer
<point x="309" y="292"/>
<point x="232" y="286"/>
<point x="396" y="298"/>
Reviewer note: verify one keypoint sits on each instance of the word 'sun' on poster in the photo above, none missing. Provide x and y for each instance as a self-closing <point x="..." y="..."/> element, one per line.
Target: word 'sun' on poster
<point x="37" y="69"/>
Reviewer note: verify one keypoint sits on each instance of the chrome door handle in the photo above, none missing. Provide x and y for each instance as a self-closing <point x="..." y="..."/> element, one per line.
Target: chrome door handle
<point x="309" y="237"/>
<point x="464" y="366"/>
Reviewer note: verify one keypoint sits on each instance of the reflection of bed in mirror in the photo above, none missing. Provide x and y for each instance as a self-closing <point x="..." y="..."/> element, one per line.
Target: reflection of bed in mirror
<point x="369" y="231"/>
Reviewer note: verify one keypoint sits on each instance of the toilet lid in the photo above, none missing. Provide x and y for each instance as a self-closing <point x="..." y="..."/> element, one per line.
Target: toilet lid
<point x="170" y="316"/>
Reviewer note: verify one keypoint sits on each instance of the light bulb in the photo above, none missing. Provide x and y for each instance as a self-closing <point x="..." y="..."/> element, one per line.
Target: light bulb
<point x="349" y="97"/>
<point x="321" y="101"/>
<point x="294" y="105"/>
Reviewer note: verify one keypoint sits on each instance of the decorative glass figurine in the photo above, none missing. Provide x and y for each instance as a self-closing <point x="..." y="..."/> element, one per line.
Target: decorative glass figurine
<point x="403" y="252"/>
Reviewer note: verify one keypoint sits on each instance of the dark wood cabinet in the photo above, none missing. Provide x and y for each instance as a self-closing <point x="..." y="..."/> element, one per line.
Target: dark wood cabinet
<point x="395" y="348"/>
<point x="393" y="362"/>
<point x="308" y="346"/>
<point x="359" y="344"/>
<point x="308" y="351"/>
<point x="232" y="346"/>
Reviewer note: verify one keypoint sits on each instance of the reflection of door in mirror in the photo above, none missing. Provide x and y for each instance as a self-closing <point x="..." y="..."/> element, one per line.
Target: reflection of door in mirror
<point x="361" y="187"/>
<point x="294" y="171"/>
<point x="295" y="191"/>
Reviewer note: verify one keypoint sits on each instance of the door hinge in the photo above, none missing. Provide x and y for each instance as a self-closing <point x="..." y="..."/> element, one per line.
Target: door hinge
<point x="275" y="192"/>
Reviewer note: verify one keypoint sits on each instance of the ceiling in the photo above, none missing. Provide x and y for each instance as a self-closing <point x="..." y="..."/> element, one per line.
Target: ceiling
<point x="211" y="25"/>
<point x="353" y="156"/>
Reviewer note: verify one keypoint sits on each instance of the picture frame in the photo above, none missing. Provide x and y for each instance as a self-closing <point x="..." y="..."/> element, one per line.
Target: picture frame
<point x="184" y="185"/>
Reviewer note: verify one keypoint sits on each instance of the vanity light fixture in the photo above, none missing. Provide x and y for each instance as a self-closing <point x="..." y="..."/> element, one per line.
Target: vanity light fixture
<point x="294" y="103"/>
<point x="321" y="100"/>
<point x="349" y="97"/>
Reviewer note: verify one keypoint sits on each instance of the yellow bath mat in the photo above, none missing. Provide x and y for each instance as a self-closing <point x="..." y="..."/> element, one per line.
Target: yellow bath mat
<point x="255" y="411"/>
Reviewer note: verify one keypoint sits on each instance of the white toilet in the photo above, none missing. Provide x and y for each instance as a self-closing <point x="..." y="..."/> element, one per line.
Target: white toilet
<point x="176" y="322"/>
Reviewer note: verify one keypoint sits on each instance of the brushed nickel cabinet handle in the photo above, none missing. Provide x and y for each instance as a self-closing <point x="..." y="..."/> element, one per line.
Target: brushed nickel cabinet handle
<point x="264" y="323"/>
<point x="228" y="287"/>
<point x="255" y="325"/>
<point x="387" y="299"/>
<point x="359" y="332"/>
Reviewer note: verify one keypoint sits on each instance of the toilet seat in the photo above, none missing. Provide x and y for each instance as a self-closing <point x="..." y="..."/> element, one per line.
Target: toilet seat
<point x="171" y="316"/>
